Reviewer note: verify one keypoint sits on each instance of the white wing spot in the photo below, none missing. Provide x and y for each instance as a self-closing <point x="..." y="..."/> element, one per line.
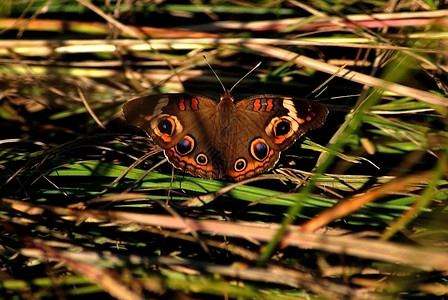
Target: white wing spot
<point x="160" y="105"/>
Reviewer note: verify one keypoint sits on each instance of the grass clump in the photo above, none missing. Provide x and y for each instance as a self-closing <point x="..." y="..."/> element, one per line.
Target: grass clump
<point x="89" y="207"/>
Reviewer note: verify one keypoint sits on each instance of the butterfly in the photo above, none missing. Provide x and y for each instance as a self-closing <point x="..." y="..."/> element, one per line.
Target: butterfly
<point x="226" y="139"/>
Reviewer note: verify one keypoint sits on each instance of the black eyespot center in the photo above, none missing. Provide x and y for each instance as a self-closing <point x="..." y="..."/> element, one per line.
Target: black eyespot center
<point x="201" y="159"/>
<point x="166" y="126"/>
<point x="240" y="164"/>
<point x="259" y="149"/>
<point x="282" y="127"/>
<point x="185" y="145"/>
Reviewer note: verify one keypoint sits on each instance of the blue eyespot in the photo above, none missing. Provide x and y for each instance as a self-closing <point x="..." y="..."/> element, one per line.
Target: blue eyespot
<point x="240" y="164"/>
<point x="201" y="159"/>
<point x="282" y="128"/>
<point x="259" y="149"/>
<point x="185" y="145"/>
<point x="166" y="126"/>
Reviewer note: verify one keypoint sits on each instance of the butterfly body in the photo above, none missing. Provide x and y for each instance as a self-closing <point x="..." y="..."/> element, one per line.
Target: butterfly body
<point x="224" y="140"/>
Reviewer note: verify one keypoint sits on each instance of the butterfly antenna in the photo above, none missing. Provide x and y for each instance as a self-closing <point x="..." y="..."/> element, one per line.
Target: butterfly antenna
<point x="223" y="87"/>
<point x="251" y="70"/>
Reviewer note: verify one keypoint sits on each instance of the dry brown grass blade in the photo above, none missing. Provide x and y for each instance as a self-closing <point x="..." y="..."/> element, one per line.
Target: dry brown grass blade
<point x="396" y="19"/>
<point x="50" y="47"/>
<point x="354" y="203"/>
<point x="353" y="76"/>
<point x="280" y="275"/>
<point x="89" y="109"/>
<point x="428" y="259"/>
<point x="98" y="27"/>
<point x="107" y="279"/>
<point x="126" y="29"/>
<point x="133" y="32"/>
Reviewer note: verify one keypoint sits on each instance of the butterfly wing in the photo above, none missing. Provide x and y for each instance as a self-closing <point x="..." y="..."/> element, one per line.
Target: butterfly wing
<point x="226" y="140"/>
<point x="282" y="119"/>
<point x="263" y="126"/>
<point x="180" y="125"/>
<point x="167" y="118"/>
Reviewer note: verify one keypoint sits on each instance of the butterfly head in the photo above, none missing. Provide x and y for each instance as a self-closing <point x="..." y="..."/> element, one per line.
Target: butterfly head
<point x="226" y="97"/>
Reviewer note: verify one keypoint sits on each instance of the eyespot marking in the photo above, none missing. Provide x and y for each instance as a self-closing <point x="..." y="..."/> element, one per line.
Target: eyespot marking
<point x="201" y="159"/>
<point x="282" y="128"/>
<point x="240" y="164"/>
<point x="185" y="145"/>
<point x="259" y="149"/>
<point x="165" y="127"/>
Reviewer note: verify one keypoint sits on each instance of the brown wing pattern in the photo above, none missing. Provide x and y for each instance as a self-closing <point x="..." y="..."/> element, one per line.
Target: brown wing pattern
<point x="224" y="140"/>
<point x="263" y="110"/>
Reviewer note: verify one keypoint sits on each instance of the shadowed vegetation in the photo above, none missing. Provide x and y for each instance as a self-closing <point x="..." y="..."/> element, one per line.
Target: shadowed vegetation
<point x="355" y="210"/>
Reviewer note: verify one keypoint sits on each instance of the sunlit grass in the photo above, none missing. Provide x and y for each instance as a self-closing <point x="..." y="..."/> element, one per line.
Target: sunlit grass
<point x="89" y="206"/>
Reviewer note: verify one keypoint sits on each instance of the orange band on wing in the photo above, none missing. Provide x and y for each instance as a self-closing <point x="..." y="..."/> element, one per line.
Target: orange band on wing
<point x="166" y="138"/>
<point x="189" y="162"/>
<point x="253" y="167"/>
<point x="280" y="139"/>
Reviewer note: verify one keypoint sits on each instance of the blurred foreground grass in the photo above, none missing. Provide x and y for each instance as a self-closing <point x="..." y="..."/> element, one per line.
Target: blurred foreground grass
<point x="88" y="207"/>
